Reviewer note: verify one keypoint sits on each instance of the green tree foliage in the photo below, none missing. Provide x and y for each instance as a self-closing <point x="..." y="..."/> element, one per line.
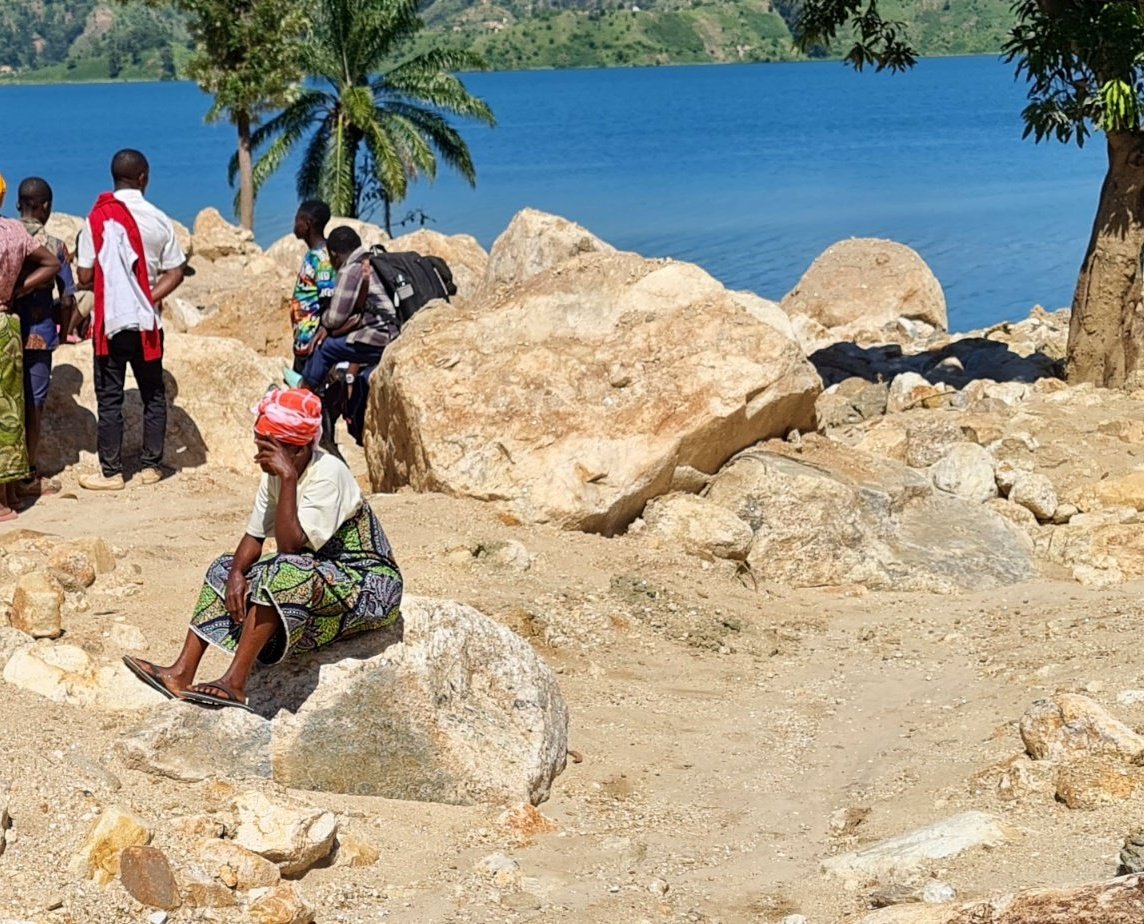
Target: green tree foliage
<point x="1083" y="61"/>
<point x="247" y="55"/>
<point x="373" y="122"/>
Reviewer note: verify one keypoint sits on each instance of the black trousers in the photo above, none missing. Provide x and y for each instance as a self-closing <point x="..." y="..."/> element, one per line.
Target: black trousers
<point x="126" y="349"/>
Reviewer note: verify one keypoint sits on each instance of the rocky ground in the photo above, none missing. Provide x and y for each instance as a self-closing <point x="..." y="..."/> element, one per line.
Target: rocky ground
<point x="834" y="644"/>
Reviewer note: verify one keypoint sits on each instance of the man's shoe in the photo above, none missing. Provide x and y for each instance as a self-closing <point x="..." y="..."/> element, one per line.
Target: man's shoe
<point x="102" y="482"/>
<point x="151" y="475"/>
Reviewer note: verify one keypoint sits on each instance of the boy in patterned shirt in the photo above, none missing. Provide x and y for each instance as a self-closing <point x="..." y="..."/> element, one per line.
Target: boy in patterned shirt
<point x="315" y="285"/>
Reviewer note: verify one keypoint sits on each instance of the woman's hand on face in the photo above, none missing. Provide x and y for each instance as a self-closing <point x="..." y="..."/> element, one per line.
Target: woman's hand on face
<point x="273" y="458"/>
<point x="236" y="588"/>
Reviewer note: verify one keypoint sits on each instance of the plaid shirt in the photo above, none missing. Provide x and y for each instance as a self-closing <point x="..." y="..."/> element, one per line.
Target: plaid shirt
<point x="378" y="324"/>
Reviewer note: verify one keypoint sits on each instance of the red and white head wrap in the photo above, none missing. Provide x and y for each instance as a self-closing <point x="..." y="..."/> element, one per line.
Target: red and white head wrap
<point x="292" y="416"/>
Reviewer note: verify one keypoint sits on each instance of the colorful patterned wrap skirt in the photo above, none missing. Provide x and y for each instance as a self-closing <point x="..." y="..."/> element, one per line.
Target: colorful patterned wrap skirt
<point x="13" y="448"/>
<point x="351" y="585"/>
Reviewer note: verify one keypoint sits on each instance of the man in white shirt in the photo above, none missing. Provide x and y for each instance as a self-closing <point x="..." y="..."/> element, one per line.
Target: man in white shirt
<point x="129" y="254"/>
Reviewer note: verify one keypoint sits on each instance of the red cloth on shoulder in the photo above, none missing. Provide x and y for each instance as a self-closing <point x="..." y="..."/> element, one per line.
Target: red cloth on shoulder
<point x="108" y="208"/>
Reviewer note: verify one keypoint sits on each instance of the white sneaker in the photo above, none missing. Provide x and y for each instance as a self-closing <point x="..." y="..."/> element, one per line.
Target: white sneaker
<point x="101" y="482"/>
<point x="151" y="475"/>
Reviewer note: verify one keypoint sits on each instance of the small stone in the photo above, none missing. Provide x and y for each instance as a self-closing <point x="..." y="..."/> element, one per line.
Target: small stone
<point x="794" y="919"/>
<point x="199" y="827"/>
<point x="128" y="637"/>
<point x="146" y="875"/>
<point x="966" y="471"/>
<point x="294" y="839"/>
<point x="36" y="605"/>
<point x="1070" y="724"/>
<point x="72" y="568"/>
<point x="355" y="853"/>
<point x="658" y="887"/>
<point x="503" y="870"/>
<point x="238" y="867"/>
<point x="938" y="893"/>
<point x="1036" y="493"/>
<point x="1064" y="513"/>
<point x="157" y="917"/>
<point x="1096" y="781"/>
<point x="284" y="904"/>
<point x="112" y="833"/>
<point x="201" y="890"/>
<point x="101" y="554"/>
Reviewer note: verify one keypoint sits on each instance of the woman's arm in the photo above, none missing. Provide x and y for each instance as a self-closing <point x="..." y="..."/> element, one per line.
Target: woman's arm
<point x="288" y="532"/>
<point x="287" y="528"/>
<point x="248" y="552"/>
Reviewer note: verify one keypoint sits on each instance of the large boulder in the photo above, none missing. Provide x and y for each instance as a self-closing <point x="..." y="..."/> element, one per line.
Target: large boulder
<point x="535" y="242"/>
<point x="830" y="516"/>
<point x="869" y="290"/>
<point x="574" y="397"/>
<point x="212" y="383"/>
<point x="466" y="257"/>
<point x="214" y="237"/>
<point x="449" y="707"/>
<point x="461" y="711"/>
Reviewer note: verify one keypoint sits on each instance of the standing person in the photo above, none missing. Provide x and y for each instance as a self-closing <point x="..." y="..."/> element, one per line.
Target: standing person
<point x="24" y="267"/>
<point x="38" y="323"/>
<point x="315" y="283"/>
<point x="361" y="320"/>
<point x="129" y="254"/>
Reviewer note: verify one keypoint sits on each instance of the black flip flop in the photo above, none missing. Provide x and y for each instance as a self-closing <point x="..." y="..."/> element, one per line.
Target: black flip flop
<point x="209" y="699"/>
<point x="153" y="681"/>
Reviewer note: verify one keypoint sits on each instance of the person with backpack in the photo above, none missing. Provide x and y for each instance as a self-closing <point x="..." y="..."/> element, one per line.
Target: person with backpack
<point x="361" y="319"/>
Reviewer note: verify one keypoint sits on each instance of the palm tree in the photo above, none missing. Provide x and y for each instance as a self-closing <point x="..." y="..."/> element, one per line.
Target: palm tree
<point x="373" y="124"/>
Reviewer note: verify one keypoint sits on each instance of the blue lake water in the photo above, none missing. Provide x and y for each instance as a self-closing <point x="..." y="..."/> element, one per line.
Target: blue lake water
<point x="750" y="171"/>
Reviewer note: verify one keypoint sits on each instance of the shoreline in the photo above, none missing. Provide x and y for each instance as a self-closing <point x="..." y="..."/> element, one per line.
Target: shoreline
<point x="32" y="81"/>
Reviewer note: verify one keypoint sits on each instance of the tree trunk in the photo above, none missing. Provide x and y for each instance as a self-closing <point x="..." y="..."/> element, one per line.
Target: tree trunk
<point x="245" y="172"/>
<point x="1106" y="336"/>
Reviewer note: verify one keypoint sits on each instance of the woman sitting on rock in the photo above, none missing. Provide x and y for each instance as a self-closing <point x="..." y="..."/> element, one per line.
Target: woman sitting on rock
<point x="332" y="576"/>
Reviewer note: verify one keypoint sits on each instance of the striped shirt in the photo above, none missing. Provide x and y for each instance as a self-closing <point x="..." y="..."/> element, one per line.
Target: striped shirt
<point x="378" y="324"/>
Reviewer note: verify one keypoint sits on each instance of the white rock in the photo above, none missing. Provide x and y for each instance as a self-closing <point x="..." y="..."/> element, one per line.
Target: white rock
<point x="938" y="893"/>
<point x="532" y="419"/>
<point x="967" y="472"/>
<point x="295" y="839"/>
<point x="66" y="674"/>
<point x="1036" y="493"/>
<point x="939" y="841"/>
<point x="126" y="636"/>
<point x="698" y="525"/>
<point x="461" y="711"/>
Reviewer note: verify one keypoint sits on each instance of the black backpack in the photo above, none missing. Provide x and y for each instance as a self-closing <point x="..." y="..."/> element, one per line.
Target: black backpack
<point x="411" y="280"/>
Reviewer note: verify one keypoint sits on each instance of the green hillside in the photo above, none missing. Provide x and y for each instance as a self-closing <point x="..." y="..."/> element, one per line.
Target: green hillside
<point x="99" y="39"/>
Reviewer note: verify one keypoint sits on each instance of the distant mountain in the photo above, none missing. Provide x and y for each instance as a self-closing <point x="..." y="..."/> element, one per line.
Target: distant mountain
<point x="90" y="40"/>
<point x="98" y="39"/>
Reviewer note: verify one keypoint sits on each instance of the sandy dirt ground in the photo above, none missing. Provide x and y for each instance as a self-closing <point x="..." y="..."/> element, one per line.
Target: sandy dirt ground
<point x="721" y="724"/>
